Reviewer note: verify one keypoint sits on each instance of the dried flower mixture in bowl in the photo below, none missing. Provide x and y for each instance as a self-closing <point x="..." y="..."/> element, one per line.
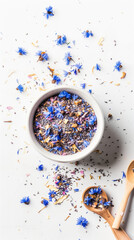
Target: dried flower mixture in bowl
<point x="66" y="124"/>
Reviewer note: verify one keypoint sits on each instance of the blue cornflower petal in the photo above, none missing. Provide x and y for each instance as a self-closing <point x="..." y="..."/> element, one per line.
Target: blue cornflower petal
<point x="40" y="137"/>
<point x="50" y="109"/>
<point x="92" y="120"/>
<point x="47" y="131"/>
<point x="107" y="204"/>
<point x="57" y="79"/>
<point x="87" y="34"/>
<point x="64" y="94"/>
<point x="40" y="167"/>
<point x="21" y="51"/>
<point x="20" y="88"/>
<point x="25" y="200"/>
<point x="45" y="202"/>
<point x="82" y="221"/>
<point x="55" y="138"/>
<point x="59" y="115"/>
<point x="123" y="175"/>
<point x="83" y="85"/>
<point x="118" y="66"/>
<point x="74" y="96"/>
<point x="76" y="68"/>
<point x="89" y="201"/>
<point x="43" y="56"/>
<point x="97" y="67"/>
<point x="86" y="143"/>
<point x="66" y="73"/>
<point x="49" y="12"/>
<point x="67" y="58"/>
<point x="56" y="148"/>
<point x="74" y="71"/>
<point x="57" y="167"/>
<point x="51" y="194"/>
<point x="95" y="191"/>
<point x="61" y="40"/>
<point x="76" y="190"/>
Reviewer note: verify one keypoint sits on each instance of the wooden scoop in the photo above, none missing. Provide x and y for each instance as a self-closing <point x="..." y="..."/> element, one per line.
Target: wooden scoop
<point x="119" y="234"/>
<point x="128" y="188"/>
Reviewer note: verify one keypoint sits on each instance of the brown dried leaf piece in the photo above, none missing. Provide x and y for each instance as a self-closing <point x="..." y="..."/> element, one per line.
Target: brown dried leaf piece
<point x="67" y="218"/>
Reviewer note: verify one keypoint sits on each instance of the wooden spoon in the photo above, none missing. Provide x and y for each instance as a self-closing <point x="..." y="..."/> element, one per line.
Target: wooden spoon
<point x="128" y="188"/>
<point x="120" y="234"/>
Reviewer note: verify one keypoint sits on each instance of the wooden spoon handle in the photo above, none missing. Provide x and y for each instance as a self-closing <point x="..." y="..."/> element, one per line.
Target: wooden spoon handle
<point x="119" y="234"/>
<point x="122" y="207"/>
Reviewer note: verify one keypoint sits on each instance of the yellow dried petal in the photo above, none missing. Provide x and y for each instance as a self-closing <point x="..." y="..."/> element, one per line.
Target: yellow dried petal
<point x="65" y="121"/>
<point x="53" y="188"/>
<point x="75" y="148"/>
<point x="74" y="125"/>
<point x="78" y="101"/>
<point x="101" y="41"/>
<point x="60" y="200"/>
<point x="42" y="89"/>
<point x="78" y="114"/>
<point x="47" y="126"/>
<point x="93" y="69"/>
<point x="41" y="209"/>
<point x="67" y="218"/>
<point x="47" y="139"/>
<point x="31" y="75"/>
<point x="45" y="198"/>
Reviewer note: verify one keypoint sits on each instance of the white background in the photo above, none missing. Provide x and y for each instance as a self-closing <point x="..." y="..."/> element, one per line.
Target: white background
<point x="21" y="24"/>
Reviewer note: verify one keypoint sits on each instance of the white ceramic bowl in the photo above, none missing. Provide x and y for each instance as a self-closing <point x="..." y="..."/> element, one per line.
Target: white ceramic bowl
<point x="95" y="140"/>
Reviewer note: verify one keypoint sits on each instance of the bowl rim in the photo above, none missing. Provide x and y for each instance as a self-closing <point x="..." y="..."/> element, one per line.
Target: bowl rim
<point x="96" y="138"/>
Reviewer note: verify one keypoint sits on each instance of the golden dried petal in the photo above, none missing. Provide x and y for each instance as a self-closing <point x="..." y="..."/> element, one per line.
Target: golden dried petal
<point x="74" y="125"/>
<point x="117" y="84"/>
<point x="53" y="188"/>
<point x="47" y="126"/>
<point x="101" y="41"/>
<point x="123" y="75"/>
<point x="65" y="121"/>
<point x="67" y="218"/>
<point x="93" y="69"/>
<point x="42" y="89"/>
<point x="78" y="101"/>
<point x="47" y="139"/>
<point x="78" y="114"/>
<point x="60" y="200"/>
<point x="75" y="148"/>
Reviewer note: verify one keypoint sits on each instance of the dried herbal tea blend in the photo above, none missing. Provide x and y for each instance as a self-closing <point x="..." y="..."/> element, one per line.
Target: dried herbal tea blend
<point x="95" y="199"/>
<point x="64" y="124"/>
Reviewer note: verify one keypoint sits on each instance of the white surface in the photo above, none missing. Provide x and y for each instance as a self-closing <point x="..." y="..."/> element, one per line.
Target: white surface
<point x="98" y="134"/>
<point x="109" y="19"/>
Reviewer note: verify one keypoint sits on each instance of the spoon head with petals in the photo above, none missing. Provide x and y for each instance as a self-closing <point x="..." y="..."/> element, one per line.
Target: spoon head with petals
<point x="95" y="210"/>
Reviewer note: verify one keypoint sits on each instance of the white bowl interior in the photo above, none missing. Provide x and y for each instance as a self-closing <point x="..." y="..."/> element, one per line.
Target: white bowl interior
<point x="95" y="140"/>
